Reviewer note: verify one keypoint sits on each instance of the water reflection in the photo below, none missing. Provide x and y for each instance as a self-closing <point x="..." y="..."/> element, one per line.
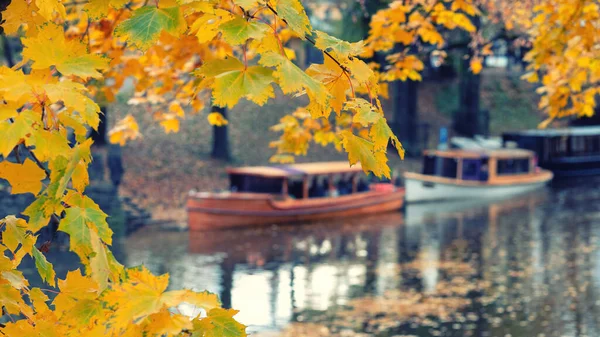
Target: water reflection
<point x="528" y="266"/>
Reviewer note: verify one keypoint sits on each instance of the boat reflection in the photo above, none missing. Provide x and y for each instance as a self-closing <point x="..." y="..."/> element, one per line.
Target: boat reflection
<point x="522" y="266"/>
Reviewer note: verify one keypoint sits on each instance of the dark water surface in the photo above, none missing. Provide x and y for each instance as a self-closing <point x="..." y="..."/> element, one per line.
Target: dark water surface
<point x="524" y="267"/>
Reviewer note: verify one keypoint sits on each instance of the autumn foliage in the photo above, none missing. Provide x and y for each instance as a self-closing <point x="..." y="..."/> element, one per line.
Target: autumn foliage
<point x="182" y="54"/>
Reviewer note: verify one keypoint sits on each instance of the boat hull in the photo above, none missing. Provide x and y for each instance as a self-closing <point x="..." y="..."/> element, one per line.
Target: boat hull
<point x="213" y="211"/>
<point x="419" y="188"/>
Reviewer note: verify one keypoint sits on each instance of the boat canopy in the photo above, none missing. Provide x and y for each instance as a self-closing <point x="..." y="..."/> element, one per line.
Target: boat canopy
<point x="572" y="131"/>
<point x="480" y="153"/>
<point x="296" y="170"/>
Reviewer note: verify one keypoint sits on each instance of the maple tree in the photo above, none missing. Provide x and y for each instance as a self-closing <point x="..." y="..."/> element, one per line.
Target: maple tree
<point x="182" y="54"/>
<point x="78" y="55"/>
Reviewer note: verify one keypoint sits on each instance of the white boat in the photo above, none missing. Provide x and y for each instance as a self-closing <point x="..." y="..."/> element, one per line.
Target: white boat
<point x="482" y="173"/>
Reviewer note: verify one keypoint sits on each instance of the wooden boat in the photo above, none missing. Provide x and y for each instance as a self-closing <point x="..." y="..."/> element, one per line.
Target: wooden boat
<point x="291" y="193"/>
<point x="462" y="174"/>
<point x="567" y="152"/>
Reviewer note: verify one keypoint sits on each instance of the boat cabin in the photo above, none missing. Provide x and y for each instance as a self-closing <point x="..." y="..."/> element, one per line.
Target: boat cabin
<point x="566" y="152"/>
<point x="478" y="165"/>
<point x="299" y="181"/>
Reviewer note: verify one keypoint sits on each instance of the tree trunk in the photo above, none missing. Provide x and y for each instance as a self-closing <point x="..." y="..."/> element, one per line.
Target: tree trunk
<point x="220" y="145"/>
<point x="470" y="120"/>
<point x="99" y="136"/>
<point x="405" y="114"/>
<point x="8" y="54"/>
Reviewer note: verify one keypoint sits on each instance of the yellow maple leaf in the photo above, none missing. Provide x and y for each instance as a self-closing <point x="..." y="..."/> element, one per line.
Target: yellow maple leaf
<point x="126" y="129"/>
<point x="70" y="57"/>
<point x="47" y="8"/>
<point x="164" y="323"/>
<point x="23" y="178"/>
<point x="217" y="119"/>
<point x="170" y="124"/>
<point x="476" y="65"/>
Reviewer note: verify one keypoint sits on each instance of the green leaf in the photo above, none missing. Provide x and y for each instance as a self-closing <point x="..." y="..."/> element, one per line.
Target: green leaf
<point x="294" y="80"/>
<point x="145" y="25"/>
<point x="340" y="48"/>
<point x="232" y="81"/>
<point x="81" y="153"/>
<point x="40" y="210"/>
<point x="253" y="83"/>
<point x="239" y="30"/>
<point x="44" y="267"/>
<point x="293" y="13"/>
<point x="364" y="112"/>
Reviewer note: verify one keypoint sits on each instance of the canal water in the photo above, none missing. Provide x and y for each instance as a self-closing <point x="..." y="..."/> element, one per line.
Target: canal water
<point x="528" y="266"/>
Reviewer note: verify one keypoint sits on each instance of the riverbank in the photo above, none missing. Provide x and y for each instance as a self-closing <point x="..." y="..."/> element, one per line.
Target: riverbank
<point x="161" y="168"/>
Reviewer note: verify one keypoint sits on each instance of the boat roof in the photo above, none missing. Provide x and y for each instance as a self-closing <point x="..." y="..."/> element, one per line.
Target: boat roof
<point x="480" y="153"/>
<point x="571" y="131"/>
<point x="307" y="169"/>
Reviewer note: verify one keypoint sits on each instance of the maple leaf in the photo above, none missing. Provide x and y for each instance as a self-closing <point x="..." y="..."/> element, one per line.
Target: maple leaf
<point x="10" y="299"/>
<point x="164" y="323"/>
<point x="382" y="134"/>
<point x="170" y="124"/>
<point x="13" y="133"/>
<point x="204" y="300"/>
<point x="246" y="4"/>
<point x="147" y="23"/>
<point x="219" y="323"/>
<point x="47" y="144"/>
<point x="238" y="30"/>
<point x="62" y="170"/>
<point x="44" y="267"/>
<point x="97" y="9"/>
<point x="292" y="79"/>
<point x="47" y="8"/>
<point x="295" y="16"/>
<point x="50" y="48"/>
<point x="232" y="80"/>
<point x="206" y="27"/>
<point x="140" y="297"/>
<point x="23" y="178"/>
<point x="15" y="232"/>
<point x="364" y="112"/>
<point x="340" y="48"/>
<point x="362" y="150"/>
<point x="217" y="119"/>
<point x="176" y="109"/>
<point x="40" y="210"/>
<point x="74" y="288"/>
<point x="15" y="278"/>
<point x="71" y="94"/>
<point x="19" y="13"/>
<point x="83" y="217"/>
<point x="126" y="129"/>
<point x="39" y="299"/>
<point x="332" y="76"/>
<point x="475" y="65"/>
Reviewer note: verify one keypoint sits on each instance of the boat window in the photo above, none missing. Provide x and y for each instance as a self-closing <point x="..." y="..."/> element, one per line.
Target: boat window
<point x="429" y="165"/>
<point x="512" y="166"/>
<point x="440" y="166"/>
<point x="449" y="167"/>
<point x="243" y="183"/>
<point x="470" y="169"/>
